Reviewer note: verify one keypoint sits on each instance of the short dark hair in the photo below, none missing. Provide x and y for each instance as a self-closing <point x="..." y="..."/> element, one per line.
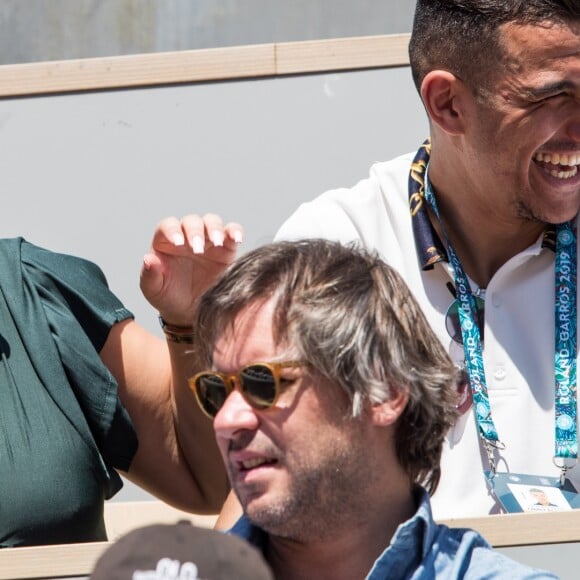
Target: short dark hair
<point x="353" y="318"/>
<point x="462" y="36"/>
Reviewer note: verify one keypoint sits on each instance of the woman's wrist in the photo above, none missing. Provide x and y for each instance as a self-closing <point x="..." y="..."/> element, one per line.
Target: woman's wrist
<point x="177" y="333"/>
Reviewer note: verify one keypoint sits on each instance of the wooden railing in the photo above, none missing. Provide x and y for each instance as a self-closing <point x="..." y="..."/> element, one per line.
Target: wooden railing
<point x="260" y="60"/>
<point x="69" y="560"/>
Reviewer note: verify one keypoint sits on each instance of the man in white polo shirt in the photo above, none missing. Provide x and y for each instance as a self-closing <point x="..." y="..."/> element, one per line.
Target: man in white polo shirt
<point x="501" y="85"/>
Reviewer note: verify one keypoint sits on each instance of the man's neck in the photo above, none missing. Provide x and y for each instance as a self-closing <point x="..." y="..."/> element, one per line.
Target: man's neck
<point x="483" y="234"/>
<point x="341" y="554"/>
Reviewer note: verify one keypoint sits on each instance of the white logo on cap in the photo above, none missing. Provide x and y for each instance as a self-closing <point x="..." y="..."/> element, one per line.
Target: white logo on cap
<point x="168" y="569"/>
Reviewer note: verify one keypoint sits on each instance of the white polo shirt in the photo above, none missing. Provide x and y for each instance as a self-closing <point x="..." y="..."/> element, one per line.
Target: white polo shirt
<point x="518" y="335"/>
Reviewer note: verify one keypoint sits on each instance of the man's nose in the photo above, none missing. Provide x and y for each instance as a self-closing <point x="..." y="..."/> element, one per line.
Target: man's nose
<point x="236" y="414"/>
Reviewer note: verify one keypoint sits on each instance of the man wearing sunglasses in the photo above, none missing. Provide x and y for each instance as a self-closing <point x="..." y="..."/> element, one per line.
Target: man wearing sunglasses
<point x="331" y="397"/>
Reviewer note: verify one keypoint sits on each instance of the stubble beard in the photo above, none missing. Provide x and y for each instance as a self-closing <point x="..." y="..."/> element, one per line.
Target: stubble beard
<point x="321" y="500"/>
<point x="525" y="212"/>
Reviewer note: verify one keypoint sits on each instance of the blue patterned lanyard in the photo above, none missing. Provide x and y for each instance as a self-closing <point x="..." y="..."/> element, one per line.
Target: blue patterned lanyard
<point x="472" y="345"/>
<point x="566" y="453"/>
<point x="566" y="438"/>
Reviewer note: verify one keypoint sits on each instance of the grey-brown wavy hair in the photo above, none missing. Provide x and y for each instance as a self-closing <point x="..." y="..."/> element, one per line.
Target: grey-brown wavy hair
<point x="352" y="317"/>
<point x="463" y="36"/>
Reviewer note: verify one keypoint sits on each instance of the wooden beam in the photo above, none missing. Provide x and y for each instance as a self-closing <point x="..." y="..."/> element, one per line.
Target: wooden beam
<point x="524" y="529"/>
<point x="342" y="54"/>
<point x="123" y="516"/>
<point x="216" y="64"/>
<point x="136" y="70"/>
<point x="50" y="561"/>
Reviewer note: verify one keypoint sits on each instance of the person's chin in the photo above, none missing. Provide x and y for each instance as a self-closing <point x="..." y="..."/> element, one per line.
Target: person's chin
<point x="262" y="510"/>
<point x="557" y="200"/>
<point x="560" y="214"/>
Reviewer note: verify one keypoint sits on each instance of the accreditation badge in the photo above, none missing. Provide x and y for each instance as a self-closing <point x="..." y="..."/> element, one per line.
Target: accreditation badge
<point x="518" y="492"/>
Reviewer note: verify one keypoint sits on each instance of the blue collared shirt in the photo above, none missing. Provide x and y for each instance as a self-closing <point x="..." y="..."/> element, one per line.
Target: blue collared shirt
<point x="422" y="549"/>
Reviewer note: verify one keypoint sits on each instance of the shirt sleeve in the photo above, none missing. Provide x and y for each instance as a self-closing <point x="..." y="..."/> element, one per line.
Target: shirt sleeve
<point x="324" y="217"/>
<point x="80" y="310"/>
<point x="81" y="286"/>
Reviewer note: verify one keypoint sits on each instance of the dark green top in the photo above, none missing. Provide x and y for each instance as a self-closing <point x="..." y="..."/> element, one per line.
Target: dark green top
<point x="63" y="429"/>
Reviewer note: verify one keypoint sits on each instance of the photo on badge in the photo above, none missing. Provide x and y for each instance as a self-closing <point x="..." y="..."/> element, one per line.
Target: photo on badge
<point x="539" y="498"/>
<point x="532" y="493"/>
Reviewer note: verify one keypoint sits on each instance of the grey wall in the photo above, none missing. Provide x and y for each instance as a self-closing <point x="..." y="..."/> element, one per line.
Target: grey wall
<point x="561" y="559"/>
<point x="38" y="30"/>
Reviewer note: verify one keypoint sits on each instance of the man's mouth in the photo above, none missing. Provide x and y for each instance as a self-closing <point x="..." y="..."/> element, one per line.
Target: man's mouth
<point x="558" y="165"/>
<point x="256" y="462"/>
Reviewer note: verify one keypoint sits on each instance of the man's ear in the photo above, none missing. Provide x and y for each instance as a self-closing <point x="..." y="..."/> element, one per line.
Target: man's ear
<point x="445" y="99"/>
<point x="387" y="413"/>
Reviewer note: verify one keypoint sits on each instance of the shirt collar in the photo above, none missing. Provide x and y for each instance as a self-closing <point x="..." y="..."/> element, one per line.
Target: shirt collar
<point x="428" y="244"/>
<point x="416" y="534"/>
<point x="418" y="531"/>
<point x="251" y="533"/>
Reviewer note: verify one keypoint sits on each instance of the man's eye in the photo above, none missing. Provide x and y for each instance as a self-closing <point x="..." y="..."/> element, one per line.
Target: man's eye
<point x="543" y="97"/>
<point x="554" y="96"/>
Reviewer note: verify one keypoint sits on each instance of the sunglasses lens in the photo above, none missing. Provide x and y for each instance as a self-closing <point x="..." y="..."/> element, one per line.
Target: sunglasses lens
<point x="452" y="322"/>
<point x="258" y="385"/>
<point x="211" y="393"/>
<point x="453" y="325"/>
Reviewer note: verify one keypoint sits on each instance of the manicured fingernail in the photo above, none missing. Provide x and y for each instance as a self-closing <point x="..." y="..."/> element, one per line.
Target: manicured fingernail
<point x="178" y="239"/>
<point x="197" y="245"/>
<point x="217" y="238"/>
<point x="238" y="238"/>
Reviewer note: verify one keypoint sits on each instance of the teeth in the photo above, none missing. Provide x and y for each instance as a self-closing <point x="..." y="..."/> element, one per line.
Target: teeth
<point x="567" y="164"/>
<point x="564" y="174"/>
<point x="251" y="463"/>
<point x="571" y="160"/>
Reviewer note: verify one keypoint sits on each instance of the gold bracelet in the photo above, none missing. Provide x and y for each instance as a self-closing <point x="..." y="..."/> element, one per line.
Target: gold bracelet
<point x="179" y="334"/>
